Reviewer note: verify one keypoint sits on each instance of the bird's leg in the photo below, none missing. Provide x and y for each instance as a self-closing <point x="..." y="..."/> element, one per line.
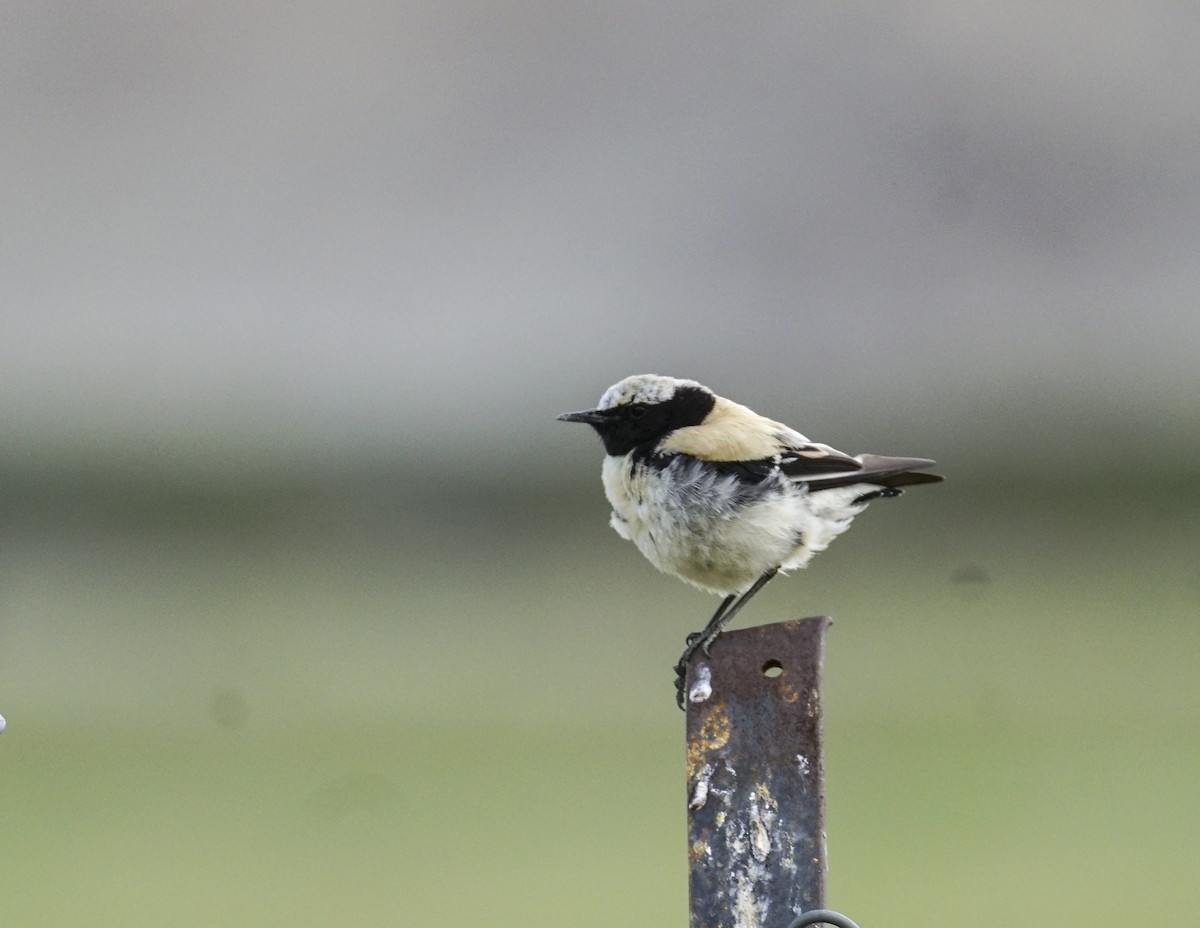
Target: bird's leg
<point x="702" y="640"/>
<point x="715" y="620"/>
<point x="713" y="629"/>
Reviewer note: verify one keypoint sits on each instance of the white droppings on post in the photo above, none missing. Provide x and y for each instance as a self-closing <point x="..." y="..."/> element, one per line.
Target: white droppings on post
<point x="700" y="790"/>
<point x="760" y="841"/>
<point x="749" y="905"/>
<point x="752" y="841"/>
<point x="764" y="817"/>
<point x="702" y="685"/>
<point x="803" y="765"/>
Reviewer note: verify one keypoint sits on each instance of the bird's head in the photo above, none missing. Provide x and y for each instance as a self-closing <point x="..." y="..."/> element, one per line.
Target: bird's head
<point x="644" y="408"/>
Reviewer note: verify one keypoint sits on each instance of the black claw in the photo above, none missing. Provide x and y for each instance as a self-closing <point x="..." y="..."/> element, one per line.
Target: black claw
<point x="680" y="681"/>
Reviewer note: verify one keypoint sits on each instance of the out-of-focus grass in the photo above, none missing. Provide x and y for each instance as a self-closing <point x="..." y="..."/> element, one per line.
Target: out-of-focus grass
<point x="312" y="707"/>
<point x="337" y="825"/>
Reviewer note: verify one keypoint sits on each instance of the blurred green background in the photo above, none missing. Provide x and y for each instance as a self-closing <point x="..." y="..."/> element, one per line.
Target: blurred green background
<point x="309" y="612"/>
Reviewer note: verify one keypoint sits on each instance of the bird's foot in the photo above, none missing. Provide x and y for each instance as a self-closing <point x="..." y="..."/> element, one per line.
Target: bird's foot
<point x="696" y="641"/>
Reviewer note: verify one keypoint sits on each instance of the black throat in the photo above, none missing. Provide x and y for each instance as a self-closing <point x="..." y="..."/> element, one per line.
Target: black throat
<point x="646" y="424"/>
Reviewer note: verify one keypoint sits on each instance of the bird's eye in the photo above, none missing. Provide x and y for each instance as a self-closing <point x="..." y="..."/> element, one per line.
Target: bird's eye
<point x="636" y="412"/>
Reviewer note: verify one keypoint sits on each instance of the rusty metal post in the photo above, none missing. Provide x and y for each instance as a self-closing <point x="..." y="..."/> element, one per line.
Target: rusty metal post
<point x="756" y="794"/>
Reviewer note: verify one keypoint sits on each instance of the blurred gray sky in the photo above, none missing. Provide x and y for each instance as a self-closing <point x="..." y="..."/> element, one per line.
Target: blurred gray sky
<point x="239" y="233"/>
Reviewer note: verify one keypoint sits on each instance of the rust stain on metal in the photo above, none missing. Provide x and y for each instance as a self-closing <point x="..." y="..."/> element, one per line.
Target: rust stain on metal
<point x="755" y="781"/>
<point x="712" y="735"/>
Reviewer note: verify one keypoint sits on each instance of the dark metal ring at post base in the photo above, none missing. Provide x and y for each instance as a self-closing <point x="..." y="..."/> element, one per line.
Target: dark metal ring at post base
<point x="822" y="917"/>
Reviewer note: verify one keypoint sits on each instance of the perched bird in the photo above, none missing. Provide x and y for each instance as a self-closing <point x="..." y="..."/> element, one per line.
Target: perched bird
<point x="717" y="495"/>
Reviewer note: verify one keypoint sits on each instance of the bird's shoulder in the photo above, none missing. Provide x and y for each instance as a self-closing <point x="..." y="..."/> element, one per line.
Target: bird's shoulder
<point x="735" y="439"/>
<point x="730" y="432"/>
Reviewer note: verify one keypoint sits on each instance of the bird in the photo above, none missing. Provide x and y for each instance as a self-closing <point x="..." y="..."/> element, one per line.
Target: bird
<point x="725" y="499"/>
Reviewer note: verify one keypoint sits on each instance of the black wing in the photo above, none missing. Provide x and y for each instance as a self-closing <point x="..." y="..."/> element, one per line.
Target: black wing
<point x="805" y="462"/>
<point x="800" y="463"/>
<point x="821" y="468"/>
<point x="879" y="471"/>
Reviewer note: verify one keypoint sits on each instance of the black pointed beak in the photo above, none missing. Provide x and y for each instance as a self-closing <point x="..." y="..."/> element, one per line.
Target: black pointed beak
<point x="590" y="416"/>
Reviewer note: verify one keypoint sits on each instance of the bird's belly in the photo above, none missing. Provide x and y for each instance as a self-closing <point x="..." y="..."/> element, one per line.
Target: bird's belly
<point x="726" y="557"/>
<point x="696" y="537"/>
